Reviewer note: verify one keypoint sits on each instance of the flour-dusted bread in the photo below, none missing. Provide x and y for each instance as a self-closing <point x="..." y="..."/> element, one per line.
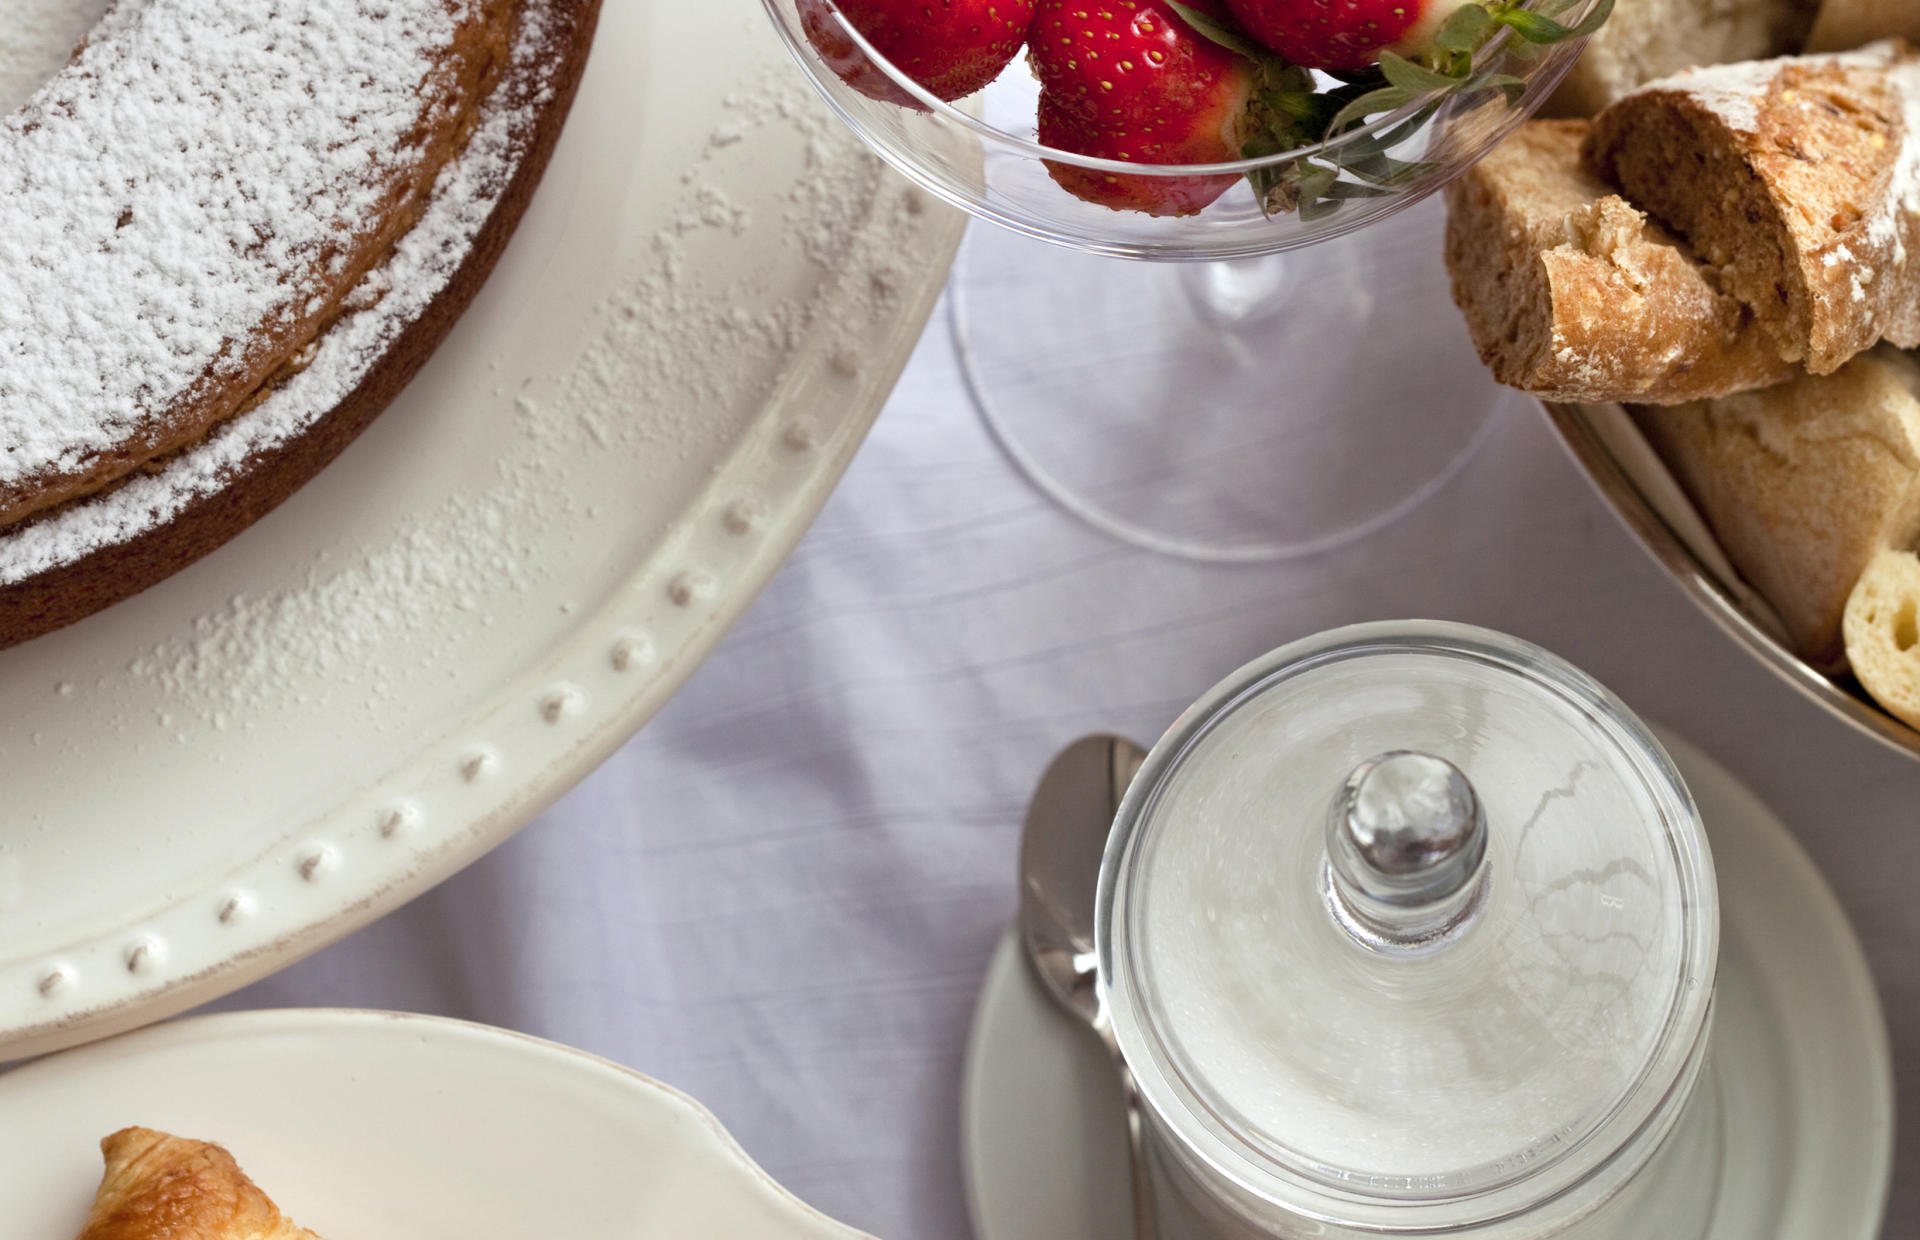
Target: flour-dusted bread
<point x="1883" y="632"/>
<point x="1798" y="179"/>
<point x="1573" y="295"/>
<point x="1646" y="40"/>
<point x="161" y="1187"/>
<point x="1803" y="483"/>
<point x="1845" y="24"/>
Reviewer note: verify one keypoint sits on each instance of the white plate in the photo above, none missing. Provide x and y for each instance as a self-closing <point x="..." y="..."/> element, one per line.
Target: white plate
<point x="708" y="301"/>
<point x="1800" y="1061"/>
<point x="372" y="1125"/>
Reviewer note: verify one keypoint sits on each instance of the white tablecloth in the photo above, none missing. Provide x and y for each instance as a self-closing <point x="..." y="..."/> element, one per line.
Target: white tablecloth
<point x="782" y="894"/>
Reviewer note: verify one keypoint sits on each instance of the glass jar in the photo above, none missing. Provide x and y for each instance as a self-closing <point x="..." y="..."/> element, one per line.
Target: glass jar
<point x="1412" y="927"/>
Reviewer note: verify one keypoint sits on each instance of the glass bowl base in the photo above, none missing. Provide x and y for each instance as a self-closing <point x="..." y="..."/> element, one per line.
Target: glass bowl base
<point x="1252" y="410"/>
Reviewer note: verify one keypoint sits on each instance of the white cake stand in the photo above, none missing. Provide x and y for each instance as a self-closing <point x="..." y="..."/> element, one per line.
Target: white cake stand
<point x="1800" y="1062"/>
<point x="702" y="311"/>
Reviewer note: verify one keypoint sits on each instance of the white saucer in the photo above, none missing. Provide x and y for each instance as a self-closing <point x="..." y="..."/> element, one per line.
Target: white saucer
<point x="1800" y="1060"/>
<point x="378" y="1124"/>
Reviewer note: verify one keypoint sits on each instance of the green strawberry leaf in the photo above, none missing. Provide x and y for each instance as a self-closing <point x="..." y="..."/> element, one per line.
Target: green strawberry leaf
<point x="1513" y="86"/>
<point x="1216" y="31"/>
<point x="1316" y="180"/>
<point x="1466" y="30"/>
<point x="1531" y="26"/>
<point x="1409" y="76"/>
<point x="1520" y="49"/>
<point x="1593" y="21"/>
<point x="1408" y="128"/>
<point x="1386" y="99"/>
<point x="1281" y="75"/>
<point x="1349" y="190"/>
<point x="1263" y="180"/>
<point x="1538" y="28"/>
<point x="1384" y="170"/>
<point x="1318" y="208"/>
<point x="1307" y="110"/>
<point x="1276" y="188"/>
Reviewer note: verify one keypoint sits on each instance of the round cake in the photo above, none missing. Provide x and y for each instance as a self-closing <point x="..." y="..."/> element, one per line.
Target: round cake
<point x="230" y="232"/>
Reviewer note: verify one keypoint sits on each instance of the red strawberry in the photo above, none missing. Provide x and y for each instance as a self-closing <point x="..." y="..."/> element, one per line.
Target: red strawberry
<point x="1154" y="194"/>
<point x="951" y="47"/>
<point x="1130" y="80"/>
<point x="1343" y="35"/>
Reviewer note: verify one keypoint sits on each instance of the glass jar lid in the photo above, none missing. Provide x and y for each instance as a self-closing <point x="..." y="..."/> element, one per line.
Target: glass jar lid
<point x="1408" y="925"/>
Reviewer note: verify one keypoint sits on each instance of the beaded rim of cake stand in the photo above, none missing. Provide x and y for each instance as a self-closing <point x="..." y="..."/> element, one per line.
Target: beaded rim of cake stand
<point x="551" y="727"/>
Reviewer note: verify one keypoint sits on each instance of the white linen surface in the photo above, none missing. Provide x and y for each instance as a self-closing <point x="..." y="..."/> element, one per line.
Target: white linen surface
<point x="781" y="896"/>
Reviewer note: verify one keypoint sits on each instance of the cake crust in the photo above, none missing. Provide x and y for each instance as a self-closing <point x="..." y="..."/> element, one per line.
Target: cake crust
<point x="74" y="588"/>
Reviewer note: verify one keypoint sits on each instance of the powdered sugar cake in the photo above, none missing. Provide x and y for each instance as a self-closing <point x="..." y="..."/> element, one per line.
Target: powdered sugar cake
<point x="230" y="232"/>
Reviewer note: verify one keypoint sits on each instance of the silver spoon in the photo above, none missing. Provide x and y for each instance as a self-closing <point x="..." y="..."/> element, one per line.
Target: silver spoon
<point x="1060" y="847"/>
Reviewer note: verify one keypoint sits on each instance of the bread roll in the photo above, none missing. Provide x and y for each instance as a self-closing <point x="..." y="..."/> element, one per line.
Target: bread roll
<point x="1573" y="295"/>
<point x="1798" y="179"/>
<point x="1646" y="40"/>
<point x="1883" y="632"/>
<point x="1803" y="483"/>
<point x="160" y="1187"/>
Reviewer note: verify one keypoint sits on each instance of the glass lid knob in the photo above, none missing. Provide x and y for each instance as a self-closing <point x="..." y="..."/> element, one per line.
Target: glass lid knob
<point x="1406" y="851"/>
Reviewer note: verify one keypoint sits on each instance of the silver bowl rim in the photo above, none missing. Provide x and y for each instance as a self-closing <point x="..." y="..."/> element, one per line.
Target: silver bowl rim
<point x="1617" y="489"/>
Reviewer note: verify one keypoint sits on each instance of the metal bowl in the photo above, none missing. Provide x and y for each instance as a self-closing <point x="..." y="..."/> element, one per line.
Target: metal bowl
<point x="1738" y="612"/>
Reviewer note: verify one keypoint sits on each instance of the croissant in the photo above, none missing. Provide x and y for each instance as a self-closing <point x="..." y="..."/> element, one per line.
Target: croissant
<point x="161" y="1187"/>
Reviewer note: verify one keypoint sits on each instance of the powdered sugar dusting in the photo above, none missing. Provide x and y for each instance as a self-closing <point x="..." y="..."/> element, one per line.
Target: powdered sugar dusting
<point x="37" y="38"/>
<point x="424" y="260"/>
<point x="677" y="350"/>
<point x="177" y="186"/>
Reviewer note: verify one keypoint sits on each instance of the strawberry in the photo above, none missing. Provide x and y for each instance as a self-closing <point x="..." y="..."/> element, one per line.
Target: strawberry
<point x="1130" y="80"/>
<point x="950" y="47"/>
<point x="1345" y="36"/>
<point x="1063" y="128"/>
<point x="1211" y="81"/>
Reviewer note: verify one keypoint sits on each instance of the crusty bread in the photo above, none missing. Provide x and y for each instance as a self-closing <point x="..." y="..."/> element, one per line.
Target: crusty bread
<point x="1798" y="178"/>
<point x="1883" y="632"/>
<point x="1803" y="483"/>
<point x="1845" y="24"/>
<point x="1646" y="40"/>
<point x="1573" y="295"/>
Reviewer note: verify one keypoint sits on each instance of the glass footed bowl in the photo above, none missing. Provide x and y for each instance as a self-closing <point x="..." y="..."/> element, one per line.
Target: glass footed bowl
<point x="983" y="154"/>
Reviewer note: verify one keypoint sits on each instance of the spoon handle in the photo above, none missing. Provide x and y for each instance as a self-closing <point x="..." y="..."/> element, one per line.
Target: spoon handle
<point x="1146" y="1225"/>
